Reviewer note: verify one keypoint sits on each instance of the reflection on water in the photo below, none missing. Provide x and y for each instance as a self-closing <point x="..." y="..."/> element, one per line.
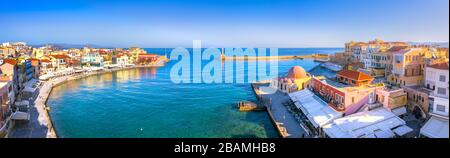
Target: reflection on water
<point x="104" y="80"/>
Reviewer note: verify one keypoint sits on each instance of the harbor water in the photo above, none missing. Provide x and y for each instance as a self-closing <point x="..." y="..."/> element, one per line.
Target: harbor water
<point x="145" y="103"/>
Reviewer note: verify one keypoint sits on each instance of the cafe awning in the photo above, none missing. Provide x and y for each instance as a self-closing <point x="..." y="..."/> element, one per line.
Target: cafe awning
<point x="18" y="115"/>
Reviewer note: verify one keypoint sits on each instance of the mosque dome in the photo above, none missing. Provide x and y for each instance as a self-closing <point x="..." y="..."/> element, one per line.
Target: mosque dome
<point x="297" y="72"/>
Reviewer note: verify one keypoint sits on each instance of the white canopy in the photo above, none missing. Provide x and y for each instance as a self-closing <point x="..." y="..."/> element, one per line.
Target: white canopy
<point x="31" y="86"/>
<point x="378" y="122"/>
<point x="18" y="115"/>
<point x="79" y="70"/>
<point x="46" y="76"/>
<point x="399" y="111"/>
<point x="435" y="128"/>
<point x="22" y="103"/>
<point x="316" y="110"/>
<point x="384" y="134"/>
<point x="402" y="130"/>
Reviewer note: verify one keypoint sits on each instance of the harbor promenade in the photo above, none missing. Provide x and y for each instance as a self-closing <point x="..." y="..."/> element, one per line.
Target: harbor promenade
<point x="284" y="121"/>
<point x="40" y="124"/>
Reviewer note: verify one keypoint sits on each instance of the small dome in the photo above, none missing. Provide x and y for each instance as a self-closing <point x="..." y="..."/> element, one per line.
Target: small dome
<point x="297" y="72"/>
<point x="289" y="81"/>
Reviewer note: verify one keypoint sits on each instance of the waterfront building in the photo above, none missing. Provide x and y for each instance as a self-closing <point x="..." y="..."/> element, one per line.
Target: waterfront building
<point x="437" y="79"/>
<point x="74" y="53"/>
<point x="107" y="57"/>
<point x="381" y="63"/>
<point x="394" y="99"/>
<point x="145" y="59"/>
<point x="342" y="96"/>
<point x="376" y="123"/>
<point x="296" y="79"/>
<point x="353" y="66"/>
<point x="7" y="52"/>
<point x="10" y="73"/>
<point x="92" y="59"/>
<point x="59" y="62"/>
<point x="340" y="58"/>
<point x="408" y="67"/>
<point x="135" y="52"/>
<point x="354" y="78"/>
<point x="374" y="55"/>
<point x="38" y="53"/>
<point x="121" y="60"/>
<point x="46" y="67"/>
<point x="5" y="104"/>
<point x="36" y="64"/>
<point x="26" y="72"/>
<point x="418" y="100"/>
<point x="373" y="47"/>
<point x="357" y="50"/>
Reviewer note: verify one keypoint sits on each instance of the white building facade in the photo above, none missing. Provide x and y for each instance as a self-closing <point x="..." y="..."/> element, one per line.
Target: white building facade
<point x="437" y="79"/>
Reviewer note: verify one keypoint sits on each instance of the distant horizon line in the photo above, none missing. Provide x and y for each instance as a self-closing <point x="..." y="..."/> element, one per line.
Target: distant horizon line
<point x="72" y="45"/>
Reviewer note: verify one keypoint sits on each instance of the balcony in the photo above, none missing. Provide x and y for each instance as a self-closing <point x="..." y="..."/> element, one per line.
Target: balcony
<point x="28" y="65"/>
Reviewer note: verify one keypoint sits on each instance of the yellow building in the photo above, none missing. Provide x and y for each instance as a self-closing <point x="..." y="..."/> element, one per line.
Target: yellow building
<point x="391" y="98"/>
<point x="408" y="66"/>
<point x="6" y="52"/>
<point x="134" y="52"/>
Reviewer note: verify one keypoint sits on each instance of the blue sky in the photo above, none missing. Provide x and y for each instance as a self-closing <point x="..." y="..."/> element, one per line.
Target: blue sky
<point x="223" y="23"/>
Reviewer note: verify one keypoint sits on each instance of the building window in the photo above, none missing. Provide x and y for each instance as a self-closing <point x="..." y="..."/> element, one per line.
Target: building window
<point x="440" y="108"/>
<point x="442" y="78"/>
<point x="441" y="91"/>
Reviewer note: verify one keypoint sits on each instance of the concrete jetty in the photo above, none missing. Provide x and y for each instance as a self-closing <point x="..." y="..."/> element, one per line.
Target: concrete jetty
<point x="285" y="123"/>
<point x="288" y="57"/>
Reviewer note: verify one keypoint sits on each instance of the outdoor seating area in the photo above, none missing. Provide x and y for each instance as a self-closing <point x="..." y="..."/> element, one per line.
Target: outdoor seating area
<point x="299" y="117"/>
<point x="315" y="109"/>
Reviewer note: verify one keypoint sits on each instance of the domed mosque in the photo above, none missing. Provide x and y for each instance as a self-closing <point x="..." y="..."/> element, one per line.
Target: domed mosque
<point x="295" y="80"/>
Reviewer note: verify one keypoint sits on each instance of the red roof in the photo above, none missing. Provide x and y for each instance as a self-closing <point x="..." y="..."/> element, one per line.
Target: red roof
<point x="355" y="75"/>
<point x="45" y="60"/>
<point x="147" y="55"/>
<point x="442" y="66"/>
<point x="397" y="48"/>
<point x="10" y="61"/>
<point x="60" y="56"/>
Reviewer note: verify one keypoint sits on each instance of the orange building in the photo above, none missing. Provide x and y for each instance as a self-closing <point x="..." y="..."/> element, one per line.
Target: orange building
<point x="354" y="78"/>
<point x="147" y="58"/>
<point x="343" y="97"/>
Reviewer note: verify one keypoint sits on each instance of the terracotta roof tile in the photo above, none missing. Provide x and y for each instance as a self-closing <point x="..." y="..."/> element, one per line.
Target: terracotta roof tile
<point x="10" y="61"/>
<point x="356" y="75"/>
<point x="45" y="60"/>
<point x="60" y="56"/>
<point x="442" y="66"/>
<point x="397" y="48"/>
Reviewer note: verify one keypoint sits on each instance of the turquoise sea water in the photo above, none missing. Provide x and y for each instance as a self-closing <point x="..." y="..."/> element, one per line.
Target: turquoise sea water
<point x="146" y="103"/>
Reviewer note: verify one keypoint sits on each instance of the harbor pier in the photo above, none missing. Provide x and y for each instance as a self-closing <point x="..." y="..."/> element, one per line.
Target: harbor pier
<point x="318" y="57"/>
<point x="284" y="122"/>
